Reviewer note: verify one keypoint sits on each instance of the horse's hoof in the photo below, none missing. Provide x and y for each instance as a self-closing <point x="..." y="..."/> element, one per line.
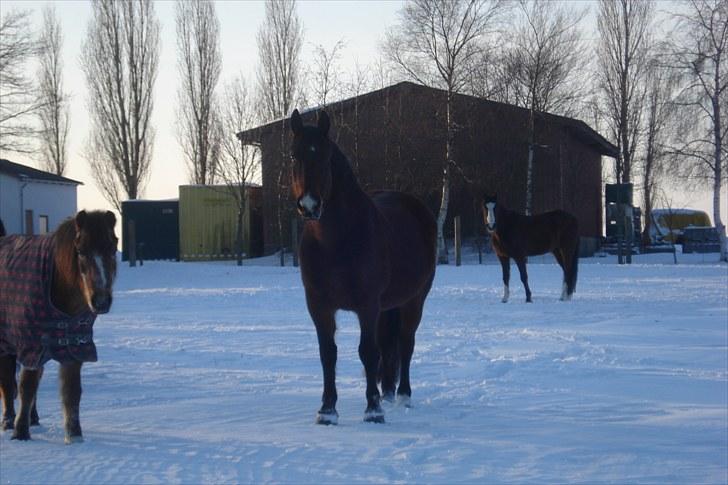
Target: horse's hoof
<point x="388" y="396"/>
<point x="404" y="400"/>
<point x="528" y="300"/>
<point x="329" y="417"/>
<point x="504" y="300"/>
<point x="35" y="422"/>
<point x="374" y="417"/>
<point x="69" y="440"/>
<point x="8" y="424"/>
<point x="21" y="436"/>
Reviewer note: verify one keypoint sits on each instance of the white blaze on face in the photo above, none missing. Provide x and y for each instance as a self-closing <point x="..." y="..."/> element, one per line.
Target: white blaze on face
<point x="100" y="268"/>
<point x="308" y="202"/>
<point x="490" y="206"/>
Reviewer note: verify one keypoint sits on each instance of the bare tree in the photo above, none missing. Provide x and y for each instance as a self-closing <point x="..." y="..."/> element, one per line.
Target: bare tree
<point x="119" y="59"/>
<point x="659" y="123"/>
<point x="433" y="43"/>
<point x="542" y="63"/>
<point x="622" y="53"/>
<point x="325" y="80"/>
<point x="200" y="64"/>
<point x="697" y="51"/>
<point x="280" y="39"/>
<point x="17" y="101"/>
<point x="53" y="100"/>
<point x="239" y="164"/>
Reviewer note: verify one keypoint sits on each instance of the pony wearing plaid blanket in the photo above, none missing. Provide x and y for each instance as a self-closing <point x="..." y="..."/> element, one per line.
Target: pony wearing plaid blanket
<point x="52" y="287"/>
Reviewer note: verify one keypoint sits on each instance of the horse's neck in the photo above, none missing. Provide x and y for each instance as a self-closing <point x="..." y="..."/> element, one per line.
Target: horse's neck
<point x="66" y="292"/>
<point x="347" y="208"/>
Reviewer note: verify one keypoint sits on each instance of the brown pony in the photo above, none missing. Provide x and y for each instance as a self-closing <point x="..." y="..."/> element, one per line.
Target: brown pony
<point x="373" y="255"/>
<point x="51" y="289"/>
<point x="517" y="236"/>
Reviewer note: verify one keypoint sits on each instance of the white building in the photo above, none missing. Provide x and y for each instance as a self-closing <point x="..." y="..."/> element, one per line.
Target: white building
<point x="33" y="201"/>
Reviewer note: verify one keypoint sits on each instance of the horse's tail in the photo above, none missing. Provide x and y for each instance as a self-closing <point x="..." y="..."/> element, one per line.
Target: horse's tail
<point x="388" y="337"/>
<point x="571" y="280"/>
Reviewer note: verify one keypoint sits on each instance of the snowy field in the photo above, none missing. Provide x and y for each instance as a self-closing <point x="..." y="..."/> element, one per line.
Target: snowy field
<point x="209" y="373"/>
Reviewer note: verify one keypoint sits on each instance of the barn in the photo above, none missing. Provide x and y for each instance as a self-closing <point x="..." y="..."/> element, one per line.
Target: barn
<point x="395" y="139"/>
<point x="33" y="201"/>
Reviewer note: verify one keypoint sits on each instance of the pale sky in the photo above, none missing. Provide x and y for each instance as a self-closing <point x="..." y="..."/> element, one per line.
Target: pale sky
<point x="361" y="24"/>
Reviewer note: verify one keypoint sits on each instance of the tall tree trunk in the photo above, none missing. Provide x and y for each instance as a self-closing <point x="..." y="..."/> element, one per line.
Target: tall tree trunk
<point x="717" y="178"/>
<point x="442" y="257"/>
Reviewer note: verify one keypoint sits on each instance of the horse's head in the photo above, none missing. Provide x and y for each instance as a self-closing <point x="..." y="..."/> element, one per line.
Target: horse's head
<point x="490" y="202"/>
<point x="95" y="245"/>
<point x="311" y="165"/>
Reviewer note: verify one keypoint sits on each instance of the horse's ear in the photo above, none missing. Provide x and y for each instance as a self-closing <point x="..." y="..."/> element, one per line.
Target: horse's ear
<point x="324" y="123"/>
<point x="81" y="218"/>
<point x="110" y="219"/>
<point x="296" y="122"/>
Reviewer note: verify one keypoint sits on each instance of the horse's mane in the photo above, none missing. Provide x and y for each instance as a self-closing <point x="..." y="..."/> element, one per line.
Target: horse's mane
<point x="65" y="253"/>
<point x="341" y="170"/>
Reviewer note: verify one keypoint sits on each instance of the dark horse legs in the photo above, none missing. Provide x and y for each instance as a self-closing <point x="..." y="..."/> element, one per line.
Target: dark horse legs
<point x="411" y="316"/>
<point x="70" y="377"/>
<point x="8" y="389"/>
<point x="369" y="355"/>
<point x="505" y="262"/>
<point x="325" y="330"/>
<point x="27" y="390"/>
<point x="521" y="263"/>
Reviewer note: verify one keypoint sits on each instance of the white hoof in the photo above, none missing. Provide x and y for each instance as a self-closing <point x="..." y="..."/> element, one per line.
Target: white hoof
<point x="327" y="418"/>
<point x="404" y="401"/>
<point x="374" y="416"/>
<point x="69" y="440"/>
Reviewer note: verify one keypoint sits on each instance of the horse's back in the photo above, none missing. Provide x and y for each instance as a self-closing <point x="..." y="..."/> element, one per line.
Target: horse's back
<point x="412" y="242"/>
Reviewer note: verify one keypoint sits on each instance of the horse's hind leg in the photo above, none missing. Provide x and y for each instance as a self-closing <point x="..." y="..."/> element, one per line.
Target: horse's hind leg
<point x="8" y="389"/>
<point x="388" y="329"/>
<point x="561" y="260"/>
<point x="411" y="314"/>
<point x="369" y="355"/>
<point x="70" y="379"/>
<point x="505" y="262"/>
<point x="27" y="390"/>
<point x="521" y="263"/>
<point x="34" y="419"/>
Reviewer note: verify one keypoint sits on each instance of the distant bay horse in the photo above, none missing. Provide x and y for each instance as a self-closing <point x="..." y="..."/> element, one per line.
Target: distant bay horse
<point x="52" y="287"/>
<point x="517" y="236"/>
<point x="370" y="254"/>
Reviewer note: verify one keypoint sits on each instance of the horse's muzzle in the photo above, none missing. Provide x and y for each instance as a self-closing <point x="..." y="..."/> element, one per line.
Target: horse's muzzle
<point x="101" y="303"/>
<point x="310" y="208"/>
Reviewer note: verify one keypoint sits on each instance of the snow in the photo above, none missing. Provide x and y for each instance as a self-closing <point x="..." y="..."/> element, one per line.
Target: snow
<point x="209" y="373"/>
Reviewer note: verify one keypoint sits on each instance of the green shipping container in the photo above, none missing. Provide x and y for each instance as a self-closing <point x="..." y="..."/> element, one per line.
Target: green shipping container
<point x="207" y="223"/>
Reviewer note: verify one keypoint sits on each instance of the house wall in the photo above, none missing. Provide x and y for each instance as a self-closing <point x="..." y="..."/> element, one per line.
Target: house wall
<point x="57" y="201"/>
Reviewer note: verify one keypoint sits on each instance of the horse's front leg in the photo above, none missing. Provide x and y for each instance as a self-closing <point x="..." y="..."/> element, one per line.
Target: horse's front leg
<point x="8" y="389"/>
<point x="521" y="262"/>
<point x="27" y="390"/>
<point x="34" y="418"/>
<point x="325" y="322"/>
<point x="369" y="355"/>
<point x="70" y="380"/>
<point x="505" y="262"/>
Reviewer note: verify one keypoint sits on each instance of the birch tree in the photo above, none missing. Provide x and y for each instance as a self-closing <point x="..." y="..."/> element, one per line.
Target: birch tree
<point x="432" y="44"/>
<point x="697" y="51"/>
<point x="542" y="65"/>
<point x="119" y="59"/>
<point x="53" y="99"/>
<point x="199" y="63"/>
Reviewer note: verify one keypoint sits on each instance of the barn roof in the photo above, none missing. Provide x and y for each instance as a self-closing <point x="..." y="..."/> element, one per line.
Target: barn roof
<point x="580" y="129"/>
<point x="19" y="171"/>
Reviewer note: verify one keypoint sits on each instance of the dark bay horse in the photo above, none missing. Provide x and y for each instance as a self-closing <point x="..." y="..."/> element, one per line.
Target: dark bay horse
<point x="517" y="236"/>
<point x="51" y="289"/>
<point x="373" y="255"/>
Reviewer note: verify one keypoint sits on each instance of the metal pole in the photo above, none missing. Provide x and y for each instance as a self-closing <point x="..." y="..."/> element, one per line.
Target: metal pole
<point x="294" y="240"/>
<point x="458" y="242"/>
<point x="132" y="244"/>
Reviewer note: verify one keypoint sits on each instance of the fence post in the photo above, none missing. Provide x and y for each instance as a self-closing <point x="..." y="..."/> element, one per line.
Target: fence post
<point x="458" y="242"/>
<point x="294" y="240"/>
<point x="132" y="243"/>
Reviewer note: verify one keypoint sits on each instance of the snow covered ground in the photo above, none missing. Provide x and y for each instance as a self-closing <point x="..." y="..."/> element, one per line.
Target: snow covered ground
<point x="209" y="373"/>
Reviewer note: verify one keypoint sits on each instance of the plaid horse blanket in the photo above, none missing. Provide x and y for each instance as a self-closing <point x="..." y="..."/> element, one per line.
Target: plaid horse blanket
<point x="31" y="327"/>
